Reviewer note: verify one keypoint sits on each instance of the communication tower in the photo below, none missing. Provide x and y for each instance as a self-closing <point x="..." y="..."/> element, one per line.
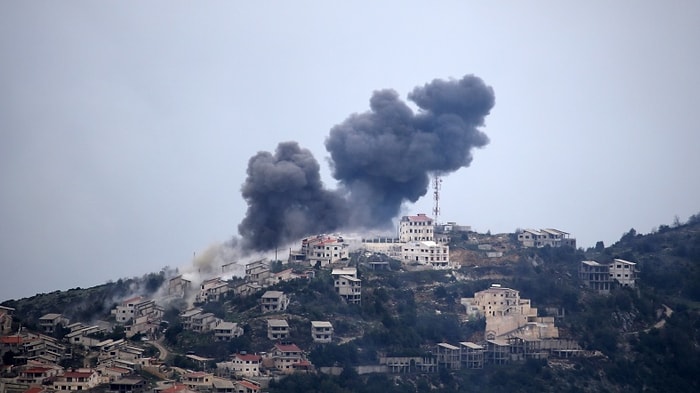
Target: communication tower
<point x="437" y="181"/>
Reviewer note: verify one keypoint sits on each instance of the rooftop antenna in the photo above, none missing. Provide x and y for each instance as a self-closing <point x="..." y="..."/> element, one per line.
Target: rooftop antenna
<point x="437" y="181"/>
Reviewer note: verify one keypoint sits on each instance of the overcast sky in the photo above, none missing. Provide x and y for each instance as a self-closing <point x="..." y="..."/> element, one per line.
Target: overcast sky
<point x="127" y="126"/>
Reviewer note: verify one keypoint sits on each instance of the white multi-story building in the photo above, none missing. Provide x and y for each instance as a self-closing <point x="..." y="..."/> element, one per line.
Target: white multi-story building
<point x="427" y="253"/>
<point x="624" y="272"/>
<point x="137" y="307"/>
<point x="322" y="331"/>
<point x="225" y="331"/>
<point x="416" y="244"/>
<point x="82" y="379"/>
<point x="545" y="237"/>
<point x="273" y="301"/>
<point x="418" y="228"/>
<point x="246" y="365"/>
<point x="277" y="329"/>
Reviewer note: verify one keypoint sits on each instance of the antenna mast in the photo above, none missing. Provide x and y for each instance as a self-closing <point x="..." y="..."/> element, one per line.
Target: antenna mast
<point x="437" y="181"/>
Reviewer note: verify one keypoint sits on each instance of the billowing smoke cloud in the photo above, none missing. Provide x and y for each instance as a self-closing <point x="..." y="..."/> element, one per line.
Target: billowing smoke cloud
<point x="286" y="199"/>
<point x="381" y="158"/>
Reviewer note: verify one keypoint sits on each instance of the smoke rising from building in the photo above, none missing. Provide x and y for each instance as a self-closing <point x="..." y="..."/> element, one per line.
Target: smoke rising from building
<point x="381" y="159"/>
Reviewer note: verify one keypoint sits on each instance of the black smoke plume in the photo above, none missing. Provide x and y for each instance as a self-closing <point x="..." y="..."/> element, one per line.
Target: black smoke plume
<point x="381" y="158"/>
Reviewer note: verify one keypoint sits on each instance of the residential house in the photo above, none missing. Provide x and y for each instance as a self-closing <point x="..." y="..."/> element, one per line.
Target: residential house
<point x="212" y="290"/>
<point x="225" y="331"/>
<point x="84" y="336"/>
<point x="248" y="386"/>
<point x="246" y="365"/>
<point x="448" y="356"/>
<point x="323" y="250"/>
<point x="50" y="322"/>
<point x="347" y="285"/>
<point x="287" y="357"/>
<point x="274" y="301"/>
<point x="38" y="373"/>
<point x="179" y="286"/>
<point x="204" y="322"/>
<point x="284" y="275"/>
<point x="624" y="272"/>
<point x="257" y="271"/>
<point x="220" y="385"/>
<point x="198" y="381"/>
<point x="136" y="307"/>
<point x="81" y="379"/>
<point x="595" y="276"/>
<point x="277" y="329"/>
<point x="427" y="253"/>
<point x="46" y="348"/>
<point x="322" y="331"/>
<point x="545" y="237"/>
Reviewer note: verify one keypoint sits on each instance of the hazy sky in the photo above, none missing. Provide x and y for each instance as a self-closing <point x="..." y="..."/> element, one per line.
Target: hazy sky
<point x="127" y="126"/>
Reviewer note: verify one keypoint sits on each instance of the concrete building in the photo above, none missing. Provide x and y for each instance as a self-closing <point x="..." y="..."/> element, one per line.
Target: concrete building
<point x="417" y="243"/>
<point x="545" y="237"/>
<point x="257" y="271"/>
<point x="212" y="290"/>
<point x="277" y="329"/>
<point x="225" y="331"/>
<point x="198" y="381"/>
<point x="347" y="285"/>
<point x="418" y="228"/>
<point x="50" y="322"/>
<point x="448" y="356"/>
<point x="136" y="307"/>
<point x="322" y="331"/>
<point x="471" y="355"/>
<point x="507" y="314"/>
<point x="624" y="272"/>
<point x="323" y="250"/>
<point x="427" y="253"/>
<point x="595" y="276"/>
<point x="287" y="357"/>
<point x="246" y="365"/>
<point x="273" y="301"/>
<point x="82" y="379"/>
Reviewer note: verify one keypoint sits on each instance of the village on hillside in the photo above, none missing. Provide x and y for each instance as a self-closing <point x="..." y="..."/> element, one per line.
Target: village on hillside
<point x="42" y="360"/>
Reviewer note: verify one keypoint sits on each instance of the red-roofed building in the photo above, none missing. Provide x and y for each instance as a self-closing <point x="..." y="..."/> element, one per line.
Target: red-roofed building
<point x="33" y="374"/>
<point x="245" y="386"/>
<point x="285" y="356"/>
<point x="246" y="365"/>
<point x="82" y="379"/>
<point x="324" y="249"/>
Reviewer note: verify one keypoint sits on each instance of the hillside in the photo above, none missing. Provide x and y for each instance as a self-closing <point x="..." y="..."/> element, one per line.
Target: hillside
<point x="647" y="338"/>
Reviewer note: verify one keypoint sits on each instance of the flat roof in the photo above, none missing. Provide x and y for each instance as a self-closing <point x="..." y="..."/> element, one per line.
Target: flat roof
<point x="448" y="346"/>
<point x="277" y="322"/>
<point x="321" y="324"/>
